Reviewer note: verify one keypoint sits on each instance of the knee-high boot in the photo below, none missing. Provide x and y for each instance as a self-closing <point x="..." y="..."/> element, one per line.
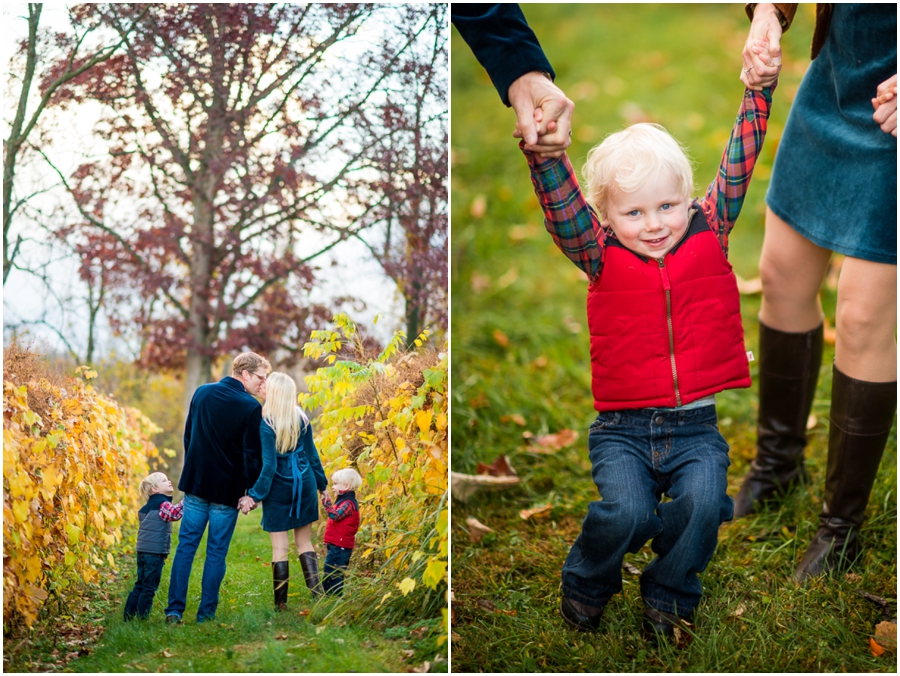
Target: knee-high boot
<point x="280" y="577"/>
<point x="310" y="565"/>
<point x="788" y="373"/>
<point x="861" y="417"/>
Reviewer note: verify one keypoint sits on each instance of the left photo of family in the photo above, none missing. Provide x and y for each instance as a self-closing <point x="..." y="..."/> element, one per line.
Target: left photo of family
<point x="226" y="339"/>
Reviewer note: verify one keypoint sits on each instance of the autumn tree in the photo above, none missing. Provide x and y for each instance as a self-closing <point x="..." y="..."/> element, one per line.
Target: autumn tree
<point x="241" y="142"/>
<point x="412" y="200"/>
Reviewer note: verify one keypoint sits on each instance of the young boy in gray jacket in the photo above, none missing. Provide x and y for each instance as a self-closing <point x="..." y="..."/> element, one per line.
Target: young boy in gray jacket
<point x="153" y="542"/>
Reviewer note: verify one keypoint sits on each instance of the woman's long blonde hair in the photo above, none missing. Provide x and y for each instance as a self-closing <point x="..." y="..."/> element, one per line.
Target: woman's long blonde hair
<point x="282" y="413"/>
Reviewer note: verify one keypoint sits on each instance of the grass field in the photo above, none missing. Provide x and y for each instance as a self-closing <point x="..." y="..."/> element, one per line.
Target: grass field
<point x="520" y="355"/>
<point x="248" y="635"/>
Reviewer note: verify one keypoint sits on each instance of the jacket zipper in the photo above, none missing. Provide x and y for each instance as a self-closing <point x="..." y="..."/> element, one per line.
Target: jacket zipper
<point x="667" y="286"/>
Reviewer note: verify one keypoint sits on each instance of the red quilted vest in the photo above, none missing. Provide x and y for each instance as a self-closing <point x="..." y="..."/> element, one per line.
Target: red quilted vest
<point x="665" y="332"/>
<point x="343" y="533"/>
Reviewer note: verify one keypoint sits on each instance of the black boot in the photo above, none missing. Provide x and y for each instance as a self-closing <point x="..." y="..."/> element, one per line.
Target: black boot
<point x="788" y="372"/>
<point x="280" y="576"/>
<point x="659" y="625"/>
<point x="862" y="414"/>
<point x="310" y="565"/>
<point x="580" y="616"/>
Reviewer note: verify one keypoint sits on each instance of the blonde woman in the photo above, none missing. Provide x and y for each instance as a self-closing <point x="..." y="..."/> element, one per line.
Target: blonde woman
<point x="291" y="474"/>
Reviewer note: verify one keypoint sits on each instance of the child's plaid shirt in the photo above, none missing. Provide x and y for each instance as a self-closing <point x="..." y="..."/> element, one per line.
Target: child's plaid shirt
<point x="576" y="228"/>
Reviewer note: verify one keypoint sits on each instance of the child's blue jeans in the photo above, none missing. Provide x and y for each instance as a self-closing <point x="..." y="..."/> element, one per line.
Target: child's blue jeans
<point x="638" y="456"/>
<point x="149" y="574"/>
<point x="336" y="561"/>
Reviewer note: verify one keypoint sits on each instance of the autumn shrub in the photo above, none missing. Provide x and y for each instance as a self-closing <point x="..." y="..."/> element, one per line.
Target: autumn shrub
<point x="72" y="461"/>
<point x="386" y="415"/>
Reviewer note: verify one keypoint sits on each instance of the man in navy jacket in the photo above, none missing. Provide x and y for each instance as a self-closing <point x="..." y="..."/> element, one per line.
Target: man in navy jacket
<point x="508" y="50"/>
<point x="221" y="459"/>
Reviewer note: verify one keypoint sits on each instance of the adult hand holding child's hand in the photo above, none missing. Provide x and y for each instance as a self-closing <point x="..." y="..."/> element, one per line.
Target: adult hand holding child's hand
<point x="762" y="51"/>
<point x="544" y="114"/>
<point x="885" y="105"/>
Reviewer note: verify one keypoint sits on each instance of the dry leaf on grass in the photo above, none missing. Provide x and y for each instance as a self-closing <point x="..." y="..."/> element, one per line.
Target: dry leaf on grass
<point x="477" y="530"/>
<point x="876" y="649"/>
<point x="632" y="570"/>
<point x="464" y="486"/>
<point x="886" y="635"/>
<point x="550" y="443"/>
<point x="536" y="513"/>
<point x="166" y="653"/>
<point x="424" y="669"/>
<point x="740" y="610"/>
<point x="517" y="418"/>
<point x="500" y="467"/>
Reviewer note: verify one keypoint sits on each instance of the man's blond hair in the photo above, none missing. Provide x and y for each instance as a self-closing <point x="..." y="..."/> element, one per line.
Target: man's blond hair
<point x="627" y="159"/>
<point x="249" y="361"/>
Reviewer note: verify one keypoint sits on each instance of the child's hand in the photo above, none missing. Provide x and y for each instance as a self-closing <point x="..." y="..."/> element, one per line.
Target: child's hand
<point x="765" y="77"/>
<point x="885" y="105"/>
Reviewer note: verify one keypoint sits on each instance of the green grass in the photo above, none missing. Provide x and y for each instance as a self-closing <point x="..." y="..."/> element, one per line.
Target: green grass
<point x="248" y="635"/>
<point x="520" y="347"/>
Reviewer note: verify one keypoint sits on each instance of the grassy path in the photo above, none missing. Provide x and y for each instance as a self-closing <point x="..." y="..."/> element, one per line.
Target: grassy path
<point x="247" y="635"/>
<point x="520" y="365"/>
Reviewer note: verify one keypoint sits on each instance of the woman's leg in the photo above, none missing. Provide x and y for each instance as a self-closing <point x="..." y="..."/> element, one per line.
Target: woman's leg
<point x="308" y="560"/>
<point x="303" y="539"/>
<point x="280" y="568"/>
<point x="790" y="355"/>
<point x="863" y="402"/>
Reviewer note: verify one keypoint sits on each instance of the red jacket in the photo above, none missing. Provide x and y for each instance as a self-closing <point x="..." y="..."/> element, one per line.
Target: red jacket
<point x="666" y="332"/>
<point x="341" y="528"/>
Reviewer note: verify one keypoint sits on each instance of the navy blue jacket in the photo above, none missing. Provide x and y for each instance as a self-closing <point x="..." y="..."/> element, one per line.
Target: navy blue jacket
<point x="221" y="436"/>
<point x="501" y="40"/>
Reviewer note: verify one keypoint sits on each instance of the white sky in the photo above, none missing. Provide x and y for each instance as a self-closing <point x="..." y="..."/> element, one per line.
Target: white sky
<point x="356" y="275"/>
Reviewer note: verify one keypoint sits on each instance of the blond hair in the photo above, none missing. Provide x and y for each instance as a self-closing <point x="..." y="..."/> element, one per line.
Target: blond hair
<point x="627" y="159"/>
<point x="249" y="361"/>
<point x="151" y="482"/>
<point x="347" y="477"/>
<point x="282" y="413"/>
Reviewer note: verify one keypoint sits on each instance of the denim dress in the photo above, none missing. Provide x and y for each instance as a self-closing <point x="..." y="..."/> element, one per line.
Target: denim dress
<point x="288" y="483"/>
<point x="835" y="175"/>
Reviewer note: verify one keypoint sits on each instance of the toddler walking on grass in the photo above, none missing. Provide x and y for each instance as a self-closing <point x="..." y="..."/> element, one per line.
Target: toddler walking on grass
<point x="340" y="531"/>
<point x="153" y="542"/>
<point x="665" y="336"/>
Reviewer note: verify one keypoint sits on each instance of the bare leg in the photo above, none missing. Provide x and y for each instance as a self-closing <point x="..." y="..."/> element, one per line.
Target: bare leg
<point x="866" y="347"/>
<point x="279" y="546"/>
<point x="791" y="269"/>
<point x="303" y="539"/>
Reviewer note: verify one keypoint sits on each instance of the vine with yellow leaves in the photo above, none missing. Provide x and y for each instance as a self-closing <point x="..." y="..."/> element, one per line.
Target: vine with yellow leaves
<point x="70" y="478"/>
<point x="386" y="414"/>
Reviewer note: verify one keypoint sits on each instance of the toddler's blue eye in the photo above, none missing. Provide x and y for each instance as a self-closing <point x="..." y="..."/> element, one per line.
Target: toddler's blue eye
<point x="634" y="213"/>
<point x="666" y="206"/>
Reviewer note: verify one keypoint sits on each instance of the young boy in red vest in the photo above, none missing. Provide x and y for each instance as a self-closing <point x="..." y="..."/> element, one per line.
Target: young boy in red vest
<point x="665" y="328"/>
<point x="340" y="531"/>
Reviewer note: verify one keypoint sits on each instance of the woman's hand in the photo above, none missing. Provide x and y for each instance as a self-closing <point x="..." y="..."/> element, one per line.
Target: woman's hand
<point x="885" y="105"/>
<point x="762" y="51"/>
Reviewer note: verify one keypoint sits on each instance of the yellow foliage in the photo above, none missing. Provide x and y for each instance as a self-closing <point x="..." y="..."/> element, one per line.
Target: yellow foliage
<point x="70" y="486"/>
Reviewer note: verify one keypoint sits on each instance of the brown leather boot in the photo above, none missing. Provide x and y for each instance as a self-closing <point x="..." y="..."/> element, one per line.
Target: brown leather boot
<point x="862" y="414"/>
<point x="310" y="565"/>
<point x="788" y="373"/>
<point x="280" y="577"/>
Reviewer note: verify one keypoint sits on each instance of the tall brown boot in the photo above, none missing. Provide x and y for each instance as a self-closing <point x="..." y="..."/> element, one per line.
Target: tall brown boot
<point x="861" y="417"/>
<point x="280" y="577"/>
<point x="310" y="565"/>
<point x="788" y="373"/>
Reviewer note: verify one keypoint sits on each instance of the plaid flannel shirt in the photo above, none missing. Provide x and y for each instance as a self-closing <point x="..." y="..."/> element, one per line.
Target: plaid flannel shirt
<point x="576" y="228"/>
<point x="170" y="512"/>
<point x="345" y="509"/>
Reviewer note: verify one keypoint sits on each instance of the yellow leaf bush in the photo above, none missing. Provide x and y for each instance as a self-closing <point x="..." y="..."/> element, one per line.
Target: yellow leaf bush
<point x="386" y="415"/>
<point x="70" y="480"/>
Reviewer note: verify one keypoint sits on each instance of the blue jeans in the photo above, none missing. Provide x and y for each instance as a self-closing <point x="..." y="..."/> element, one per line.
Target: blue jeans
<point x="221" y="519"/>
<point x="637" y="457"/>
<point x="336" y="561"/>
<point x="149" y="574"/>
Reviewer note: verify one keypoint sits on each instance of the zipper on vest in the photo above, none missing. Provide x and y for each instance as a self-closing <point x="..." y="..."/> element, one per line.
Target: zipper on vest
<point x="667" y="286"/>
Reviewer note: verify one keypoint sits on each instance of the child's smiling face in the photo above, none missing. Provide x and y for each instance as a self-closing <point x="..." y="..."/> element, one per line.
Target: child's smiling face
<point x="165" y="487"/>
<point x="652" y="219"/>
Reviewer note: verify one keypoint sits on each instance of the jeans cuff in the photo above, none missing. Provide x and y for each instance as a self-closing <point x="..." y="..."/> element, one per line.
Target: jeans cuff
<point x="593" y="601"/>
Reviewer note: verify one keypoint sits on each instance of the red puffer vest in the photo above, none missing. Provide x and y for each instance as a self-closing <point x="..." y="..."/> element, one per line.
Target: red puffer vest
<point x="343" y="533"/>
<point x="665" y="332"/>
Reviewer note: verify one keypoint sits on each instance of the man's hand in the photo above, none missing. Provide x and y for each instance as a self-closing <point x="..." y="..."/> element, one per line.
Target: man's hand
<point x="885" y="105"/>
<point x="762" y="51"/>
<point x="247" y="504"/>
<point x="544" y="114"/>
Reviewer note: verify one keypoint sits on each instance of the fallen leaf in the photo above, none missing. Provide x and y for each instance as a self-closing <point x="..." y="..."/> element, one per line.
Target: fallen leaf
<point x="876" y="649"/>
<point x="477" y="530"/>
<point x="550" y="443"/>
<point x="886" y="635"/>
<point x="478" y="207"/>
<point x="536" y="512"/>
<point x="464" y="486"/>
<point x="487" y="605"/>
<point x="517" y="418"/>
<point x="748" y="287"/>
<point x="500" y="467"/>
<point x="540" y="362"/>
<point x="281" y="637"/>
<point x="454" y="636"/>
<point x="424" y="669"/>
<point x="501" y="338"/>
<point x="166" y="653"/>
<point x="631" y="569"/>
<point x="513" y="613"/>
<point x="740" y="610"/>
<point x="480" y="400"/>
